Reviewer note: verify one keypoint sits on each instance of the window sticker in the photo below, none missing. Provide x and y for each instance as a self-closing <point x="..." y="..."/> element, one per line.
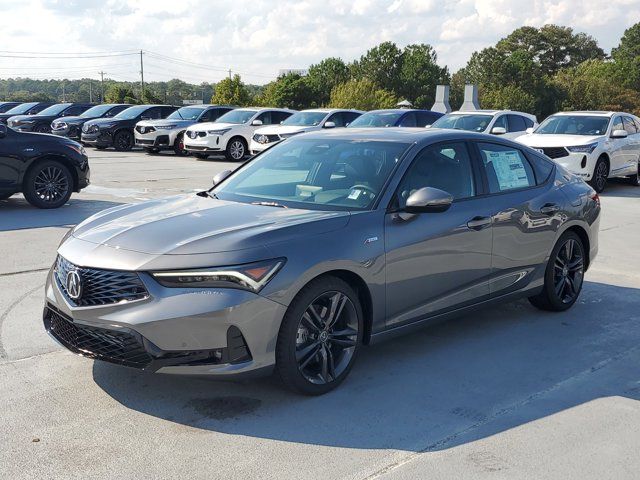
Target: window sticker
<point x="354" y="194"/>
<point x="509" y="169"/>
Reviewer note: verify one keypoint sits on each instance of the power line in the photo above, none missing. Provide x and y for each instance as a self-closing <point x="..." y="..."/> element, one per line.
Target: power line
<point x="68" y="56"/>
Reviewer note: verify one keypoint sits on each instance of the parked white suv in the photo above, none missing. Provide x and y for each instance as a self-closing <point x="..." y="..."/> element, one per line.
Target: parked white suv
<point x="232" y="132"/>
<point x="593" y="145"/>
<point x="304" y="121"/>
<point x="507" y="123"/>
<point x="156" y="135"/>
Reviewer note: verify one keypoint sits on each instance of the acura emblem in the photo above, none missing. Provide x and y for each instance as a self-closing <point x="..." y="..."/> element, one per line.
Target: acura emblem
<point x="74" y="285"/>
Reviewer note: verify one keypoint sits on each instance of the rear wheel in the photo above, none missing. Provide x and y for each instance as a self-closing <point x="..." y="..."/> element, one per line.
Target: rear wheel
<point x="48" y="185"/>
<point x="319" y="337"/>
<point x="178" y="146"/>
<point x="123" y="141"/>
<point x="564" y="275"/>
<point x="600" y="174"/>
<point x="635" y="179"/>
<point x="236" y="149"/>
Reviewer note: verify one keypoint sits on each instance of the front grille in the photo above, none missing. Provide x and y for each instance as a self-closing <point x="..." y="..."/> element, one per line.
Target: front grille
<point x="110" y="345"/>
<point x="100" y="287"/>
<point x="143" y="141"/>
<point x="259" y="137"/>
<point x="143" y="130"/>
<point x="554" y="152"/>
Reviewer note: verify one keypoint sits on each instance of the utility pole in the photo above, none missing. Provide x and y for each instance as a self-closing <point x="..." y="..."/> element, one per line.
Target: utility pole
<point x="141" y="78"/>
<point x="90" y="91"/>
<point x="63" y="96"/>
<point x="101" y="87"/>
<point x="229" y="74"/>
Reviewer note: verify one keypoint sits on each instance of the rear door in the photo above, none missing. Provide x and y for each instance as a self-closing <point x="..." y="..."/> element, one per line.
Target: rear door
<point x="525" y="210"/>
<point x="11" y="160"/>
<point x="436" y="262"/>
<point x="616" y="148"/>
<point x="632" y="148"/>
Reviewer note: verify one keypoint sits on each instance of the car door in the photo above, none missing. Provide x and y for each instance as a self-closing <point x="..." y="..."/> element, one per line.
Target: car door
<point x="616" y="148"/>
<point x="11" y="159"/>
<point x="632" y="147"/>
<point x="500" y="121"/>
<point x="525" y="210"/>
<point x="436" y="262"/>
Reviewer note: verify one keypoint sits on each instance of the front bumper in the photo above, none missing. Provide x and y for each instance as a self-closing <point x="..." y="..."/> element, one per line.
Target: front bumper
<point x="23" y="127"/>
<point x="99" y="139"/>
<point x="255" y="147"/>
<point x="71" y="131"/>
<point x="218" y="332"/>
<point x="208" y="144"/>
<point x="156" y="139"/>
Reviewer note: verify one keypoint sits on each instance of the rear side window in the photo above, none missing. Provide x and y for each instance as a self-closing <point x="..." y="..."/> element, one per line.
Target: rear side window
<point x="426" y="118"/>
<point x="409" y="120"/>
<point x="528" y="122"/>
<point x="516" y="123"/>
<point x="507" y="168"/>
<point x="338" y="119"/>
<point x="116" y="110"/>
<point x="277" y="117"/>
<point x="541" y="166"/>
<point x="75" y="110"/>
<point x="349" y="117"/>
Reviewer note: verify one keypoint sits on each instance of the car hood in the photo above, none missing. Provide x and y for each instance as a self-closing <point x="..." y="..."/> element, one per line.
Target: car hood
<point x="73" y="119"/>
<point x="284" y="129"/>
<point x="104" y="121"/>
<point x="164" y="122"/>
<point x="533" y="140"/>
<point x="203" y="127"/>
<point x="19" y="118"/>
<point x="190" y="224"/>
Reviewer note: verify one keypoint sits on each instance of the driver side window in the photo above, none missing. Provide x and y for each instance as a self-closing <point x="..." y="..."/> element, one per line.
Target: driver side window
<point x="446" y="166"/>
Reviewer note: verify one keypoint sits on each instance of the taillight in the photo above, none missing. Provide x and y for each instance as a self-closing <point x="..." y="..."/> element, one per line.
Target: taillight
<point x="595" y="197"/>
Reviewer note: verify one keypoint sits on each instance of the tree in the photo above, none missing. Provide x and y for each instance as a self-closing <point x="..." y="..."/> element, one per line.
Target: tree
<point x="231" y="91"/>
<point x="120" y="93"/>
<point x="288" y="91"/>
<point x="324" y="76"/>
<point x="419" y="75"/>
<point x="627" y="57"/>
<point x="362" y="95"/>
<point x="509" y="97"/>
<point x="381" y="65"/>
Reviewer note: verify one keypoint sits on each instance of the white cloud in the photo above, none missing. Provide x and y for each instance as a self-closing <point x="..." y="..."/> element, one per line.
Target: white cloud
<point x="259" y="37"/>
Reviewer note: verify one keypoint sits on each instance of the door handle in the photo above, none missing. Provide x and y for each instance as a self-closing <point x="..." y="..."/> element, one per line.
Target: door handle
<point x="478" y="223"/>
<point x="549" y="208"/>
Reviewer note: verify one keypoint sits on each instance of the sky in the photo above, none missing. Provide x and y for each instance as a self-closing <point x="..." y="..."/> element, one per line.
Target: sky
<point x="257" y="38"/>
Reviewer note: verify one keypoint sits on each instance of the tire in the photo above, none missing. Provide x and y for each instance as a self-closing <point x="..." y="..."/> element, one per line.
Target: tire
<point x="311" y="357"/>
<point x="563" y="276"/>
<point x="178" y="146"/>
<point x="41" y="129"/>
<point x="48" y="185"/>
<point x="635" y="179"/>
<point x="100" y="147"/>
<point x="152" y="151"/>
<point x="600" y="175"/>
<point x="202" y="156"/>
<point x="123" y="141"/>
<point x="236" y="149"/>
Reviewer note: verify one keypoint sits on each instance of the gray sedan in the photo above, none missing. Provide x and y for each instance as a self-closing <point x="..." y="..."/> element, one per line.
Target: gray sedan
<point x="322" y="244"/>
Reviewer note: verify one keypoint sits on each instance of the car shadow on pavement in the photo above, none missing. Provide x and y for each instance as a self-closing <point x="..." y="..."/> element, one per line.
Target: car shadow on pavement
<point x="446" y="385"/>
<point x="620" y="187"/>
<point x="16" y="213"/>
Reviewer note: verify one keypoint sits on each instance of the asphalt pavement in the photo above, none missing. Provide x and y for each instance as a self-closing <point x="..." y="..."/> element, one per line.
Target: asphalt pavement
<point x="506" y="392"/>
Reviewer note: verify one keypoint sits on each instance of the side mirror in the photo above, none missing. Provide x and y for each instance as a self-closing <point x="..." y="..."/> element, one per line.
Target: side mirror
<point x="498" y="131"/>
<point x="529" y="130"/>
<point x="619" y="134"/>
<point x="3" y="130"/>
<point x="428" y="200"/>
<point x="220" y="177"/>
<point x="329" y="125"/>
<point x="256" y="123"/>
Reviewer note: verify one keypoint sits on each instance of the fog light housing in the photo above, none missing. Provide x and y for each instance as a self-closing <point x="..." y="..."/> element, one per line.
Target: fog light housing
<point x="583" y="163"/>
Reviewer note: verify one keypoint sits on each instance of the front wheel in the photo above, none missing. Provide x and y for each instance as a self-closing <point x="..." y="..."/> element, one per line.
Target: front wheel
<point x="236" y="149"/>
<point x="41" y="129"/>
<point x="123" y="141"/>
<point x="320" y="337"/>
<point x="48" y="185"/>
<point x="178" y="146"/>
<point x="563" y="276"/>
<point x="600" y="174"/>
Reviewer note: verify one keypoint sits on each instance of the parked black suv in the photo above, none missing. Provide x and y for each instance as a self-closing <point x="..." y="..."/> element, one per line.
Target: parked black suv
<point x="30" y="108"/>
<point x="5" y="106"/>
<point x="117" y="132"/>
<point x="71" y="127"/>
<point x="46" y="169"/>
<point x="41" y="122"/>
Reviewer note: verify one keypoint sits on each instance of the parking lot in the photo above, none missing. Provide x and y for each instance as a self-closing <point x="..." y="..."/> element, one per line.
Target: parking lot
<point x="507" y="392"/>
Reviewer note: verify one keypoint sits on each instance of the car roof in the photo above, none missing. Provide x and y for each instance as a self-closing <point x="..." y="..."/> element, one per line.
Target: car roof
<point x="207" y="105"/>
<point x="332" y="110"/>
<point x="492" y="112"/>
<point x="399" y="110"/>
<point x="592" y="112"/>
<point x="260" y="109"/>
<point x="400" y="135"/>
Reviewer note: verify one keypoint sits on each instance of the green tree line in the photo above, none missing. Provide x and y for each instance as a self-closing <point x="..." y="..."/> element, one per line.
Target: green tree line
<point x="537" y="70"/>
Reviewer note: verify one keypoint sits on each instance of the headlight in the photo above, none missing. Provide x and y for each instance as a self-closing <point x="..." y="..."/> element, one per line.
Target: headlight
<point x="251" y="276"/>
<point x="78" y="149"/>
<point x="222" y="131"/>
<point x="262" y="139"/>
<point x="583" y="148"/>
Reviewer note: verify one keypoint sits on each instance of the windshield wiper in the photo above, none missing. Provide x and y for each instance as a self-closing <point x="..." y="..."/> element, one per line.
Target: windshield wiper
<point x="207" y="193"/>
<point x="269" y="204"/>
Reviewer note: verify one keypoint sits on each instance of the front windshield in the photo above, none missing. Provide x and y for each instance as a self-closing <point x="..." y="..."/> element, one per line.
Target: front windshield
<point x="305" y="119"/>
<point x="186" y="113"/>
<point x="316" y="174"/>
<point x="54" y="109"/>
<point x="376" y="119"/>
<point x="573" y="125"/>
<point x="471" y="123"/>
<point x="237" y="116"/>
<point x="97" y="111"/>
<point x="131" y="112"/>
<point x="22" y="108"/>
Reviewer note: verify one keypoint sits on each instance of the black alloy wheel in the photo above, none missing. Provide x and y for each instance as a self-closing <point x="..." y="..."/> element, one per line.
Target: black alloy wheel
<point x="320" y="337"/>
<point x="178" y="146"/>
<point x="600" y="174"/>
<point x="123" y="141"/>
<point x="564" y="275"/>
<point x="48" y="185"/>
